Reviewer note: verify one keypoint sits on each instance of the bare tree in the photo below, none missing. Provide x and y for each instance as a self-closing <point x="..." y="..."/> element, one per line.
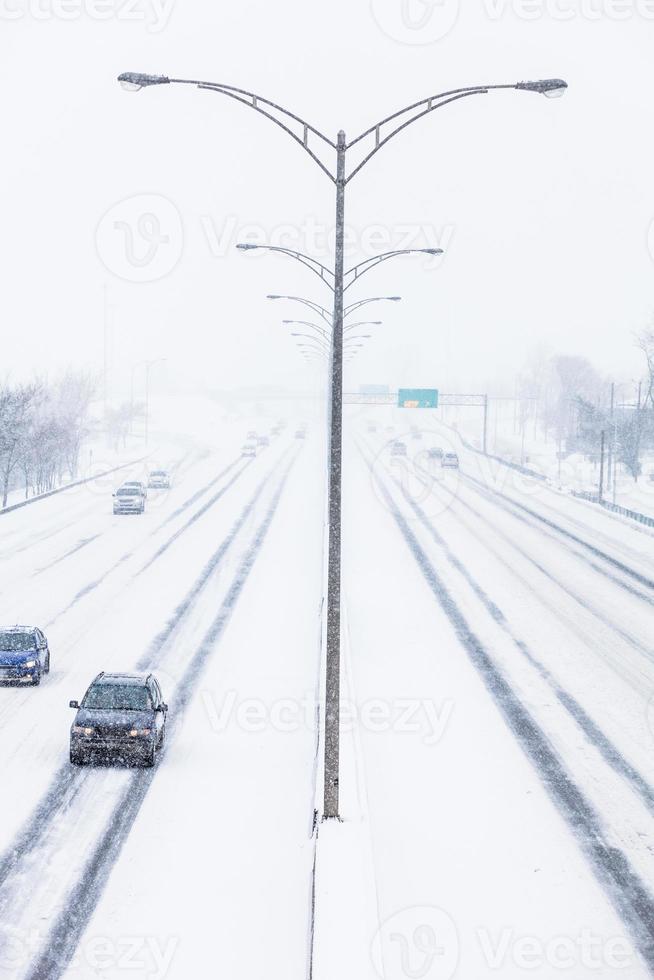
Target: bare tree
<point x="645" y="343"/>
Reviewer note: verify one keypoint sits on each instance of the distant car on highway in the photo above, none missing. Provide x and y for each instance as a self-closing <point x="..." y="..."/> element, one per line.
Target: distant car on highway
<point x="300" y="434"/>
<point x="263" y="441"/>
<point x="140" y="486"/>
<point x="435" y="452"/>
<point x="398" y="449"/>
<point x="24" y="655"/>
<point x="450" y="460"/>
<point x="372" y="427"/>
<point x="122" y="716"/>
<point x="249" y="450"/>
<point x="128" y="500"/>
<point x="251" y="434"/>
<point x="159" y="480"/>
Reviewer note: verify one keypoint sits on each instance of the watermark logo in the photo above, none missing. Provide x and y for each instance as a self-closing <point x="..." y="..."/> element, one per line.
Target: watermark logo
<point x="563" y="11"/>
<point x="155" y="14"/>
<point x="318" y="240"/>
<point x="417" y="944"/>
<point x="419" y="717"/>
<point x="141" y="238"/>
<point x="416" y="22"/>
<point x="423" y="464"/>
<point x="147" y="956"/>
<point x="587" y="951"/>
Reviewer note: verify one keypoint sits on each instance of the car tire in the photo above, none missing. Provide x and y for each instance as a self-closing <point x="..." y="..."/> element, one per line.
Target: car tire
<point x="149" y="759"/>
<point x="46" y="667"/>
<point x="36" y="678"/>
<point x="76" y="758"/>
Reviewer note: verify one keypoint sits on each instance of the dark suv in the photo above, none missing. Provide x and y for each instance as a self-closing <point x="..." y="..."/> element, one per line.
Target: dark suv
<point x="122" y="716"/>
<point x="24" y="655"/>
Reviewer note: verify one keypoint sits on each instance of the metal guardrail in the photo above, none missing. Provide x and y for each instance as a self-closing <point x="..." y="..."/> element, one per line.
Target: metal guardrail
<point x="614" y="508"/>
<point x="69" y="486"/>
<point x="505" y="462"/>
<point x="593" y="498"/>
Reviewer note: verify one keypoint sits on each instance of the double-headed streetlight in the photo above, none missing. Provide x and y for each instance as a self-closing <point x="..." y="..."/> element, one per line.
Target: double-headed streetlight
<point x="366" y="145"/>
<point x="350" y="276"/>
<point x="345" y="311"/>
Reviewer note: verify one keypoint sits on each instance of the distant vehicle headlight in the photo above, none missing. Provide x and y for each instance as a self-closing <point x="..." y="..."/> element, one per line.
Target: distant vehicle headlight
<point x="30" y="663"/>
<point x="140" y="731"/>
<point x="81" y="730"/>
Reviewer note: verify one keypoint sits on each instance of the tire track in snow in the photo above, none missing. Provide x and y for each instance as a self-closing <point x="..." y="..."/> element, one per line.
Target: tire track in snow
<point x="630" y="896"/>
<point x="92" y="586"/>
<point x="609" y="752"/>
<point x="588" y="607"/>
<point x="510" y="505"/>
<point x="59" y="796"/>
<point x="68" y="927"/>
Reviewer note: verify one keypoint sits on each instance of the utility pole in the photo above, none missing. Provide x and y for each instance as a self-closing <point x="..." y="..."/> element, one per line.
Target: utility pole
<point x="105" y="353"/>
<point x="612" y="440"/>
<point x="485" y="439"/>
<point x="601" y="477"/>
<point x="638" y="423"/>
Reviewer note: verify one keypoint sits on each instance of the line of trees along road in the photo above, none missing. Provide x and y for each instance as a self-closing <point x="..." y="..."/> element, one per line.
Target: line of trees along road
<point x="43" y="426"/>
<point x="570" y="402"/>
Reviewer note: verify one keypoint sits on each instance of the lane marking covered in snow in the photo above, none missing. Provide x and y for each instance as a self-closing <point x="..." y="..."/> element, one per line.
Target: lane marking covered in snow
<point x="630" y="896"/>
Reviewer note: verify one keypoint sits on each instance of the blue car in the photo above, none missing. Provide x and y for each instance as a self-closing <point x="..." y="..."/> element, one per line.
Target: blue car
<point x="24" y="655"/>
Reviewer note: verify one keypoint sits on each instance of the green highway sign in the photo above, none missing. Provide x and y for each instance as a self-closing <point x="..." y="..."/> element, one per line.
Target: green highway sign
<point x="417" y="398"/>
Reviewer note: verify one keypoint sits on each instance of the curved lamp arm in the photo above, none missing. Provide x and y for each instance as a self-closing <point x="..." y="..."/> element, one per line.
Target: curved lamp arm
<point x="358" y="270"/>
<point x="362" y="323"/>
<point x="320" y="310"/>
<point x="323" y="273"/>
<point x="313" y="337"/>
<point x="271" y="110"/>
<point x="306" y="323"/>
<point x="550" y="87"/>
<point x="373" y="299"/>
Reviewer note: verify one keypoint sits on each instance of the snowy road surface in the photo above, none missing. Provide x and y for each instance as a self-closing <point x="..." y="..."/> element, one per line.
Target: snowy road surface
<point x="499" y="682"/>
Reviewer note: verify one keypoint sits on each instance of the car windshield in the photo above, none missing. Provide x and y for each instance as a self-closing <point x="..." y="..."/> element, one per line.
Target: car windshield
<point x="17" y="642"/>
<point x="128" y="492"/>
<point x="117" y="697"/>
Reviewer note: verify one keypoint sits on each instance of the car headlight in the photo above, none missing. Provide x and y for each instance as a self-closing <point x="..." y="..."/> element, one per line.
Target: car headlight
<point x="81" y="730"/>
<point x="30" y="663"/>
<point x="140" y="731"/>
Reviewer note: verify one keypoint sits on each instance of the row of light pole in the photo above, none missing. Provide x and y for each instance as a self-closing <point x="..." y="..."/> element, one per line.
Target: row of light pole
<point x="316" y="144"/>
<point x="149" y="364"/>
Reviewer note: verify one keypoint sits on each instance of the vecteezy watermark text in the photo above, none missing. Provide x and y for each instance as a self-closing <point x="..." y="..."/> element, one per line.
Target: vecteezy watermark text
<point x="155" y="14"/>
<point x="412" y="716"/>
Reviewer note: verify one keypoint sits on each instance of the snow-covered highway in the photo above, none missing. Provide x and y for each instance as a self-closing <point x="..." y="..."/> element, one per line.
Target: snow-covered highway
<point x="524" y="621"/>
<point x="500" y="670"/>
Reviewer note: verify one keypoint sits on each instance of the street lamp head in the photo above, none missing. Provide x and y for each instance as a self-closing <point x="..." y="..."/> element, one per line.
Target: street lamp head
<point x="274" y="296"/>
<point x="394" y="299"/>
<point x="246" y="246"/>
<point x="432" y="251"/>
<point x="132" y="81"/>
<point x="552" y="88"/>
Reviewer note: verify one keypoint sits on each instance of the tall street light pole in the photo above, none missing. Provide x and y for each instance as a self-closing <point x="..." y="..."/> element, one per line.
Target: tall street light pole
<point x="314" y="143"/>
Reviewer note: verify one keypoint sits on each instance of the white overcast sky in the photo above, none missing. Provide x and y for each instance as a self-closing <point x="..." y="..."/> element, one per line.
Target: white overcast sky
<point x="544" y="207"/>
